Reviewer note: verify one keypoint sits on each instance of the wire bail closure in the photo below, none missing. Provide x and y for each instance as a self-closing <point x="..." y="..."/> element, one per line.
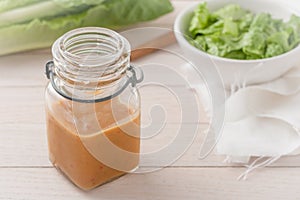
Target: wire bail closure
<point x="133" y="80"/>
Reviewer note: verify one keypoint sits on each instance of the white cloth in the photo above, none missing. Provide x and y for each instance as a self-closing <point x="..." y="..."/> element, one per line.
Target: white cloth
<point x="263" y="120"/>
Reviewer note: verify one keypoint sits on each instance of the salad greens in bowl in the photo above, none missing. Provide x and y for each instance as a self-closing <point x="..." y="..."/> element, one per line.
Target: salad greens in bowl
<point x="249" y="42"/>
<point x="234" y="32"/>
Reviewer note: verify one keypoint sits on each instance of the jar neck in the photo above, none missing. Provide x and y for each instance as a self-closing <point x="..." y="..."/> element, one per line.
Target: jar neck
<point x="90" y="61"/>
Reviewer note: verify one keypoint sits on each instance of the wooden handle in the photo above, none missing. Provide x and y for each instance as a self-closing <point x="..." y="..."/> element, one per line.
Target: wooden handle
<point x="153" y="46"/>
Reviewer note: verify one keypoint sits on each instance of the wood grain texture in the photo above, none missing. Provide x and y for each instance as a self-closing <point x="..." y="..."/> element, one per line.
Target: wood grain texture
<point x="26" y="173"/>
<point x="25" y="145"/>
<point x="169" y="183"/>
<point x="25" y="105"/>
<point x="21" y="70"/>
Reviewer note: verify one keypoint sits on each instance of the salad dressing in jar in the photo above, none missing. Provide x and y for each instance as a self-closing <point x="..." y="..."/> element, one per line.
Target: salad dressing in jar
<point x="92" y="107"/>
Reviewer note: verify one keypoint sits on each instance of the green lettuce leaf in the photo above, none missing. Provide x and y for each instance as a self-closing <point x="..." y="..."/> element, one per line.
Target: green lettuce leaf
<point x="115" y="14"/>
<point x="231" y="27"/>
<point x="214" y="28"/>
<point x="281" y="39"/>
<point x="239" y="54"/>
<point x="293" y="28"/>
<point x="236" y="33"/>
<point x="119" y="13"/>
<point x="201" y="19"/>
<point x="254" y="43"/>
<point x="245" y="22"/>
<point x="45" y="10"/>
<point x="274" y="49"/>
<point x="232" y="11"/>
<point x="9" y="4"/>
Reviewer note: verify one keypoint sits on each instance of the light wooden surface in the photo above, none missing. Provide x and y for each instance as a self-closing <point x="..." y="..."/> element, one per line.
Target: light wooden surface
<point x="26" y="173"/>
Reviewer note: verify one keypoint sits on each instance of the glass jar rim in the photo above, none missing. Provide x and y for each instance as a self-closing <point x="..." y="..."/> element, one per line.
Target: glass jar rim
<point x="64" y="41"/>
<point x="88" y="56"/>
<point x="91" y="54"/>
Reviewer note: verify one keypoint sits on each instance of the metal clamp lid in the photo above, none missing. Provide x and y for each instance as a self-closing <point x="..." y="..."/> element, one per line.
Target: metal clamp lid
<point x="133" y="80"/>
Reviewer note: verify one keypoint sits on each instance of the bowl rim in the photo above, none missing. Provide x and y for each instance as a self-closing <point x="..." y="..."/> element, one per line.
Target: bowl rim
<point x="182" y="36"/>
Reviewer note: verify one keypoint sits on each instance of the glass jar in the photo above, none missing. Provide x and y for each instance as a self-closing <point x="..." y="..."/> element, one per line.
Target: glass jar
<point x="92" y="107"/>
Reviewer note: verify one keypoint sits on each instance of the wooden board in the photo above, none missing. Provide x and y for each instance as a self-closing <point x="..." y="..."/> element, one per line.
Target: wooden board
<point x="26" y="172"/>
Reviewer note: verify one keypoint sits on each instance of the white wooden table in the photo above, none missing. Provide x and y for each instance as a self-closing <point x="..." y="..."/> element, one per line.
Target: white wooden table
<point x="26" y="173"/>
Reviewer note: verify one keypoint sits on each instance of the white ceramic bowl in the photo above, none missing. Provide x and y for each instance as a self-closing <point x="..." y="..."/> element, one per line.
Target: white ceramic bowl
<point x="240" y="71"/>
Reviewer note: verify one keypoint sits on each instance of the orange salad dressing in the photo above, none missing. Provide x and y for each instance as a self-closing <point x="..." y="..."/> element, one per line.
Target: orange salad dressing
<point x="68" y="150"/>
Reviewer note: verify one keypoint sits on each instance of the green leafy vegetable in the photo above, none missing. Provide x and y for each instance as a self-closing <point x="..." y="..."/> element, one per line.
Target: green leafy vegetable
<point x="236" y="33"/>
<point x="31" y="24"/>
<point x="232" y="11"/>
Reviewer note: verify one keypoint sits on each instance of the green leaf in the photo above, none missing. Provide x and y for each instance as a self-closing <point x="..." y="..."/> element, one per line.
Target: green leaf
<point x="200" y="20"/>
<point x="231" y="27"/>
<point x="293" y="28"/>
<point x="45" y="10"/>
<point x="254" y="43"/>
<point x="216" y="27"/>
<point x="119" y="13"/>
<point x="233" y="11"/>
<point x="240" y="55"/>
<point x="114" y="14"/>
<point x="11" y="4"/>
<point x="281" y="39"/>
<point x="234" y="32"/>
<point x="200" y="43"/>
<point x="245" y="22"/>
<point x="274" y="49"/>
